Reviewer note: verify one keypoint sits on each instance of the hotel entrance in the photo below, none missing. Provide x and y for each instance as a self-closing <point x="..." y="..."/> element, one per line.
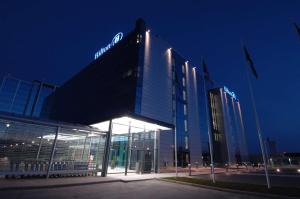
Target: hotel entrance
<point x="133" y="147"/>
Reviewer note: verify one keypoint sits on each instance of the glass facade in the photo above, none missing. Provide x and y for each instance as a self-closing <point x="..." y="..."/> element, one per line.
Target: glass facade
<point x="23" y="97"/>
<point x="134" y="146"/>
<point x="180" y="113"/>
<point x="28" y="147"/>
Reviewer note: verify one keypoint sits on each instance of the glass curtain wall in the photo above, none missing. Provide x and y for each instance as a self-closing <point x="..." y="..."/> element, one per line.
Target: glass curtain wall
<point x="133" y="150"/>
<point x="23" y="97"/>
<point x="27" y="149"/>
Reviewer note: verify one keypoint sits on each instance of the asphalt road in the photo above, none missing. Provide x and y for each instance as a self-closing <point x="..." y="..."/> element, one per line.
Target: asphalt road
<point x="153" y="189"/>
<point x="258" y="178"/>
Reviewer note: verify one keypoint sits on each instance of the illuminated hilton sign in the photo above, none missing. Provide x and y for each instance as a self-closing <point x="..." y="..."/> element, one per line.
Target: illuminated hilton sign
<point x="232" y="94"/>
<point x="115" y="40"/>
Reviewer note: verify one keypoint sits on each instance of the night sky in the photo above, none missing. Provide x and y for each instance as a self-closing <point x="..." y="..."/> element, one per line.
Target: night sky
<point x="53" y="40"/>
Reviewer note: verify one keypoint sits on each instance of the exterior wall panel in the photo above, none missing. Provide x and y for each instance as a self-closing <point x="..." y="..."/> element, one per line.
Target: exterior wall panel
<point x="193" y="117"/>
<point x="157" y="82"/>
<point x="103" y="90"/>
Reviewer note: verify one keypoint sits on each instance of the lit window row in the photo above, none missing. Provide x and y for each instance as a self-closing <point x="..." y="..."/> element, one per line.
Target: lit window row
<point x="139" y="38"/>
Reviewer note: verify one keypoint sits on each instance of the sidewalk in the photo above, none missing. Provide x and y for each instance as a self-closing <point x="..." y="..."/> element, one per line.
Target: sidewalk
<point x="12" y="184"/>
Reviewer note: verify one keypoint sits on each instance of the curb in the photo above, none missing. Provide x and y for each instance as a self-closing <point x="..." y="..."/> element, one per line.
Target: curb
<point x="230" y="190"/>
<point x="57" y="185"/>
<point x="70" y="184"/>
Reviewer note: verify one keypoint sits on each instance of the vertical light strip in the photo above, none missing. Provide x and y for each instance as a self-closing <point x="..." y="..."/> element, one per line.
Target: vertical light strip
<point x="226" y="125"/>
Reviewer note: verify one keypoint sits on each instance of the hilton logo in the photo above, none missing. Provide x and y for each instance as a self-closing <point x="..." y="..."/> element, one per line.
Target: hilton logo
<point x="115" y="40"/>
<point x="232" y="94"/>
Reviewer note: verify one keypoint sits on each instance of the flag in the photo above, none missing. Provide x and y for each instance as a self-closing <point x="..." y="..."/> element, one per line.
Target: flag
<point x="249" y="60"/>
<point x="297" y="28"/>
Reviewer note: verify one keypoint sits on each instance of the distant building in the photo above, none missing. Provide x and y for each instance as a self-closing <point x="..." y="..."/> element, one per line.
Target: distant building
<point x="228" y="134"/>
<point x="22" y="97"/>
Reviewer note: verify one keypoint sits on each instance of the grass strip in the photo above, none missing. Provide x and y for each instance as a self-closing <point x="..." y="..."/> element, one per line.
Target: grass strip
<point x="284" y="191"/>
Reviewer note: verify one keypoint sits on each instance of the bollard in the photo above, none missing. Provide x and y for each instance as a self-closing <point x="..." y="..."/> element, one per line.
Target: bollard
<point x="190" y="169"/>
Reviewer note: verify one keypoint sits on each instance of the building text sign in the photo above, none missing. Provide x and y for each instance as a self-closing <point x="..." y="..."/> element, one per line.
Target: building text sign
<point x="115" y="40"/>
<point x="232" y="94"/>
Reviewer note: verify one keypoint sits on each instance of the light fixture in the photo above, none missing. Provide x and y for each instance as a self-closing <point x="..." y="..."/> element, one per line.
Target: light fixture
<point x="148" y="31"/>
<point x="298" y="170"/>
<point x="278" y="170"/>
<point x="7" y="125"/>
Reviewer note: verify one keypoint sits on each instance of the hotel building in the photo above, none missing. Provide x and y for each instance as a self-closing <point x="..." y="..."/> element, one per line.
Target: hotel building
<point x="228" y="133"/>
<point x="135" y="106"/>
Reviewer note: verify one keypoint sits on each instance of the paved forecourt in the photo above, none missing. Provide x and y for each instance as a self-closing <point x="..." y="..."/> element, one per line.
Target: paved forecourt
<point x="135" y="189"/>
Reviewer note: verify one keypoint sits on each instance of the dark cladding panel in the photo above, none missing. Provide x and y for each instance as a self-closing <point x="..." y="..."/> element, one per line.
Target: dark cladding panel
<point x="104" y="89"/>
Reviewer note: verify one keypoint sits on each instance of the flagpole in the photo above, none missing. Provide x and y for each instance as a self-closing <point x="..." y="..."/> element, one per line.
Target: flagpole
<point x="258" y="130"/>
<point x="208" y="131"/>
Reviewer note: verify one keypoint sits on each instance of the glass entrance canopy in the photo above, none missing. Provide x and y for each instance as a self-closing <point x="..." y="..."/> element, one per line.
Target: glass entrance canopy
<point x="134" y="145"/>
<point x="126" y="121"/>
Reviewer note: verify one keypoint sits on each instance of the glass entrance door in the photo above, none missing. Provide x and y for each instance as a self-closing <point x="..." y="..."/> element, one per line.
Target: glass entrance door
<point x="132" y="150"/>
<point x="118" y="154"/>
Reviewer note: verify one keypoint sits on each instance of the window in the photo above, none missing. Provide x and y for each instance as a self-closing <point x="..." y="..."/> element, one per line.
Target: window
<point x="218" y="137"/>
<point x="139" y="38"/>
<point x="184" y="110"/>
<point x="183" y="82"/>
<point x="184" y="95"/>
<point x="185" y="126"/>
<point x="183" y="69"/>
<point x="186" y="142"/>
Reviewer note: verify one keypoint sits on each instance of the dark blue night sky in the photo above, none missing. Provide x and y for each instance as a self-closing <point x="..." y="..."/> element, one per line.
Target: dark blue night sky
<point x="52" y="40"/>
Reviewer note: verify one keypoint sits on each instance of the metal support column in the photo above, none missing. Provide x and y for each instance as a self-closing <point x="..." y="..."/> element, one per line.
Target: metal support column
<point x="28" y="99"/>
<point x="36" y="99"/>
<point x="3" y="84"/>
<point x="155" y="152"/>
<point x="128" y="148"/>
<point x="52" y="151"/>
<point x="15" y="95"/>
<point x="158" y="151"/>
<point x="106" y="151"/>
<point x="39" y="150"/>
